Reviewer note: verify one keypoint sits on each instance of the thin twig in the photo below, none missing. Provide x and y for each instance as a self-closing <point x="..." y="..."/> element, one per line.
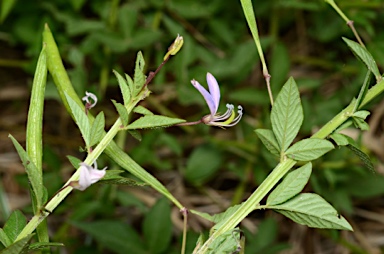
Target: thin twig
<point x="184" y="212"/>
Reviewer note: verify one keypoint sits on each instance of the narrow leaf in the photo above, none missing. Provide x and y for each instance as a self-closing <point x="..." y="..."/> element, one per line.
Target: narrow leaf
<point x="360" y="123"/>
<point x="269" y="140"/>
<point x="14" y="225"/>
<point x="32" y="172"/>
<point x="124" y="88"/>
<point x="129" y="81"/>
<point x="364" y="56"/>
<point x="97" y="129"/>
<point x="18" y="247"/>
<point x="139" y="77"/>
<point x="363" y="91"/>
<point x="309" y="149"/>
<point x="153" y="121"/>
<point x="123" y="113"/>
<point x="141" y="110"/>
<point x="287" y="114"/>
<point x="81" y="119"/>
<point x="312" y="210"/>
<point x="43" y="245"/>
<point x="292" y="185"/>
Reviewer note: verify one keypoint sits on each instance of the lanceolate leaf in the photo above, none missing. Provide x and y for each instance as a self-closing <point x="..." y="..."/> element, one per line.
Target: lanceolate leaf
<point x="80" y="118"/>
<point x="97" y="129"/>
<point x="141" y="110"/>
<point x="364" y="56"/>
<point x="125" y="91"/>
<point x="33" y="175"/>
<point x="123" y="113"/>
<point x="287" y="114"/>
<point x="153" y="121"/>
<point x="292" y="185"/>
<point x="269" y="140"/>
<point x="312" y="210"/>
<point x="361" y="114"/>
<point x="309" y="149"/>
<point x="139" y="77"/>
<point x="18" y="246"/>
<point x="14" y="225"/>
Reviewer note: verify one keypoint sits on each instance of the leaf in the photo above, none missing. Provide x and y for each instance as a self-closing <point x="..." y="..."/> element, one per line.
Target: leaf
<point x="202" y="164"/>
<point x="228" y="242"/>
<point x="309" y="149"/>
<point x="81" y="119"/>
<point x="141" y="110"/>
<point x="287" y="114"/>
<point x="124" y="88"/>
<point x="344" y="140"/>
<point x="14" y="225"/>
<point x="360" y="123"/>
<point x="340" y="139"/>
<point x="34" y="175"/>
<point x="123" y="113"/>
<point x="4" y="239"/>
<point x="153" y="121"/>
<point x="97" y="129"/>
<point x="206" y="216"/>
<point x="43" y="245"/>
<point x="292" y="185"/>
<point x="222" y="217"/>
<point x="269" y="140"/>
<point x="136" y="134"/>
<point x="312" y="210"/>
<point x="112" y="176"/>
<point x="363" y="157"/>
<point x="74" y="161"/>
<point x="364" y="56"/>
<point x="129" y="81"/>
<point x="139" y="77"/>
<point x="115" y="235"/>
<point x="18" y="247"/>
<point x="361" y="114"/>
<point x="6" y="7"/>
<point x="157" y="227"/>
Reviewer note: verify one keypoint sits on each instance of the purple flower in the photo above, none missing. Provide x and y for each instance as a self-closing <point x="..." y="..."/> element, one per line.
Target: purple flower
<point x="212" y="98"/>
<point x="89" y="175"/>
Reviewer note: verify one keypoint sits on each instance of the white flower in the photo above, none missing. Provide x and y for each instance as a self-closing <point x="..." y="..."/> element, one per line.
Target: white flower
<point x="89" y="104"/>
<point x="89" y="175"/>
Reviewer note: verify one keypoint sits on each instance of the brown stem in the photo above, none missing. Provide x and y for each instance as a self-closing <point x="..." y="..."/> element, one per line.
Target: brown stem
<point x="267" y="78"/>
<point x="184" y="212"/>
<point x="350" y="24"/>
<point x="153" y="74"/>
<point x="189" y="123"/>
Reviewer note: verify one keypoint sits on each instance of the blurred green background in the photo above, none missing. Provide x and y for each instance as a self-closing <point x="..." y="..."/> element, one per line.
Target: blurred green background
<point x="207" y="169"/>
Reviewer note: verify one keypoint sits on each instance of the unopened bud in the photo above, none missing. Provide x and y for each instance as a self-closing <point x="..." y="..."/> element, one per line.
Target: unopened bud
<point x="175" y="47"/>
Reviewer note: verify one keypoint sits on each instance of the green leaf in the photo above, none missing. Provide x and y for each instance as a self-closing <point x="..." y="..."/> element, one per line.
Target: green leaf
<point x="287" y="114"/>
<point x="81" y="119"/>
<point x="309" y="149"/>
<point x="269" y="140"/>
<point x="123" y="113"/>
<point x="6" y="7"/>
<point x="364" y="56"/>
<point x="114" y="235"/>
<point x="360" y="123"/>
<point x="4" y="239"/>
<point x="139" y="77"/>
<point x="206" y="216"/>
<point x="292" y="185"/>
<point x="340" y="139"/>
<point x="361" y="114"/>
<point x="363" y="157"/>
<point x="363" y="91"/>
<point x="34" y="175"/>
<point x="202" y="164"/>
<point x="74" y="161"/>
<point x="14" y="225"/>
<point x="112" y="176"/>
<point x="228" y="242"/>
<point x="43" y="245"/>
<point x="153" y="121"/>
<point x="18" y="247"/>
<point x="157" y="227"/>
<point x="136" y="134"/>
<point x="141" y="110"/>
<point x="97" y="129"/>
<point x="124" y="88"/>
<point x="312" y="210"/>
<point x="222" y="217"/>
<point x="129" y="81"/>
